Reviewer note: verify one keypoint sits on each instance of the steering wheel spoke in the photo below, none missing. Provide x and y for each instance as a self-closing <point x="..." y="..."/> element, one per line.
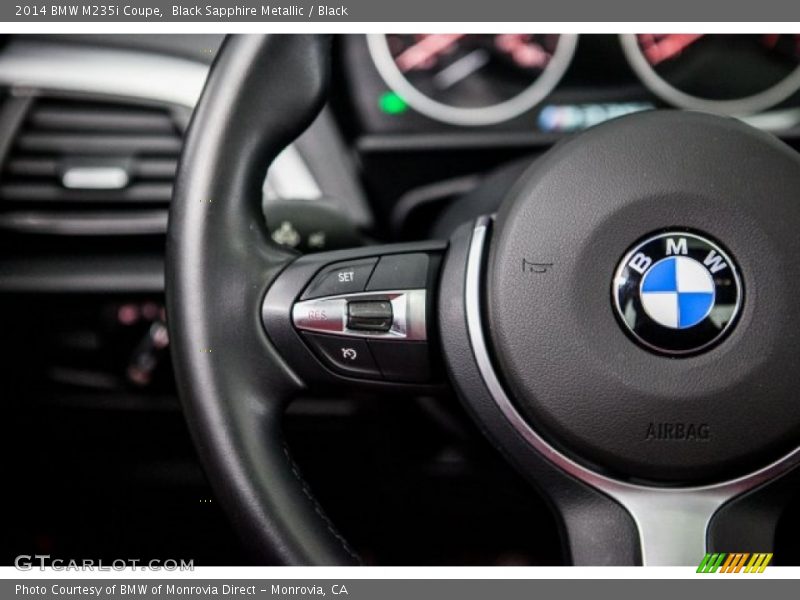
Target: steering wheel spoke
<point x="359" y="319"/>
<point x="605" y="519"/>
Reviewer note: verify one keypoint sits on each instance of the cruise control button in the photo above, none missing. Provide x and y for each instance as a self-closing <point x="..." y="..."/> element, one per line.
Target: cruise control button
<point x="327" y="315"/>
<point x="341" y="278"/>
<point x="369" y="315"/>
<point x="348" y="356"/>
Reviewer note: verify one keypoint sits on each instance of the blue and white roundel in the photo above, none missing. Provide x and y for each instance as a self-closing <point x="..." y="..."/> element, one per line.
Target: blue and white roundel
<point x="677" y="292"/>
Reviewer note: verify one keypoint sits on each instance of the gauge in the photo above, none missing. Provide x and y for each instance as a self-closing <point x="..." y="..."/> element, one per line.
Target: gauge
<point x="730" y="74"/>
<point x="472" y="79"/>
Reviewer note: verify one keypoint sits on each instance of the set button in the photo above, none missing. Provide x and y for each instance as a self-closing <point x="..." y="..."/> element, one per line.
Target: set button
<point x="341" y="278"/>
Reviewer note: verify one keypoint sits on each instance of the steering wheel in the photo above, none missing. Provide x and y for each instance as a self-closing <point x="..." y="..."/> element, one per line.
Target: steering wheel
<point x="624" y="330"/>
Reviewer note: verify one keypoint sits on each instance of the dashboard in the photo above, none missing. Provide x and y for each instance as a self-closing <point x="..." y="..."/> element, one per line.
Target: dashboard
<point x="545" y="85"/>
<point x="428" y="117"/>
<point x="91" y="129"/>
<point x="418" y="126"/>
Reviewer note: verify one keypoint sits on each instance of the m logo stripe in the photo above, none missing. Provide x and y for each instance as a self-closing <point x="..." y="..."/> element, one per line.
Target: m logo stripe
<point x="758" y="563"/>
<point x="711" y="563"/>
<point x="735" y="562"/>
<point x="727" y="566"/>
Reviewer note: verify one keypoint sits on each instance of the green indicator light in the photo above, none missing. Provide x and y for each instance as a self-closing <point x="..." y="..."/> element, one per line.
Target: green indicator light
<point x="392" y="104"/>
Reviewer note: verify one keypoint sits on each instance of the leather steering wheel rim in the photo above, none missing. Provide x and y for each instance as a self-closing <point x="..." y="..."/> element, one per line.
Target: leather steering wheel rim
<point x="235" y="299"/>
<point x="262" y="91"/>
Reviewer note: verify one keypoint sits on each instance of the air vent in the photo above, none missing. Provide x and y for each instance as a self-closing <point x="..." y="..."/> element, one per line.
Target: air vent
<point x="78" y="167"/>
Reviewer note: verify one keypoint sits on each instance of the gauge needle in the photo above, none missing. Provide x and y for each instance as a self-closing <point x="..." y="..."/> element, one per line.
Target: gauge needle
<point x="461" y="69"/>
<point x="663" y="48"/>
<point x="425" y="49"/>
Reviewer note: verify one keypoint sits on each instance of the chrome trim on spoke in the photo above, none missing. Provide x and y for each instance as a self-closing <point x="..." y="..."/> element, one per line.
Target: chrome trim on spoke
<point x="329" y="315"/>
<point x="672" y="522"/>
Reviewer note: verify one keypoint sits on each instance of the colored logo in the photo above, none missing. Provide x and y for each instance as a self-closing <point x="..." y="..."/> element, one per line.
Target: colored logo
<point x="677" y="293"/>
<point x="735" y="562"/>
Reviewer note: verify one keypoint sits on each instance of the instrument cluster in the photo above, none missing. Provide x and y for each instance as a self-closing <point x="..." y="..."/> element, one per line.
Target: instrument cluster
<point x="555" y="84"/>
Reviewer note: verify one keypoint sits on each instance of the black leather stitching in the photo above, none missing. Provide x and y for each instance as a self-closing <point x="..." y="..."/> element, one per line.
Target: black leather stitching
<point x="317" y="508"/>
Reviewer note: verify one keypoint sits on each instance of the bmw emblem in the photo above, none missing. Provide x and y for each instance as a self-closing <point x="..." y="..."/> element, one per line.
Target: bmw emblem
<point x="677" y="293"/>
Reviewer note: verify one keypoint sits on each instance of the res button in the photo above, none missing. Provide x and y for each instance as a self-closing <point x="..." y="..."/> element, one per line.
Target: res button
<point x="341" y="278"/>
